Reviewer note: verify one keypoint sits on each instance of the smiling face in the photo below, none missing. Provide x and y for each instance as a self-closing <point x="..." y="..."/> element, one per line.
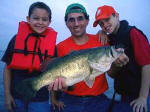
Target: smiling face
<point x="39" y="20"/>
<point x="110" y="25"/>
<point x="77" y="23"/>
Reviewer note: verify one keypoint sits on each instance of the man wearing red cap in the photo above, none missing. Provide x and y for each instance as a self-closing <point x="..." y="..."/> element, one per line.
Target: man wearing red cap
<point x="133" y="79"/>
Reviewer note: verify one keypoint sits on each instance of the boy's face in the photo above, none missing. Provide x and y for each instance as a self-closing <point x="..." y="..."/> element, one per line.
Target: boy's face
<point x="110" y="25"/>
<point x="39" y="20"/>
<point x="77" y="24"/>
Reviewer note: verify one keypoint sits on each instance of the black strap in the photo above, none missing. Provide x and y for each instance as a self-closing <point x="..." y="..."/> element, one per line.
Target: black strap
<point x="40" y="55"/>
<point x="110" y="108"/>
<point x="31" y="52"/>
<point x="34" y="50"/>
<point x="22" y="51"/>
<point x="46" y="54"/>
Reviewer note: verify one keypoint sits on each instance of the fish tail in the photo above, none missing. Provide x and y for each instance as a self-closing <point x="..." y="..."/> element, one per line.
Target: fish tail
<point x="26" y="90"/>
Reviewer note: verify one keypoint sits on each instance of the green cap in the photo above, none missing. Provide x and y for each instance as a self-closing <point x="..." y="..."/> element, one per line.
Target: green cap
<point x="75" y="8"/>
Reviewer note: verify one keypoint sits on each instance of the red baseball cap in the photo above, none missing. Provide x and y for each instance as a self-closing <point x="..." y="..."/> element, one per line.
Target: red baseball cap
<point x="103" y="12"/>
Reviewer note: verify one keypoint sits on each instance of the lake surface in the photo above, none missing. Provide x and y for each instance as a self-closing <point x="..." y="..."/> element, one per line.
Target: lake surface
<point x="2" y="109"/>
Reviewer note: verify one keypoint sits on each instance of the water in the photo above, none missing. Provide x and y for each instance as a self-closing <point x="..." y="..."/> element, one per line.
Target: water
<point x="109" y="92"/>
<point x="2" y="109"/>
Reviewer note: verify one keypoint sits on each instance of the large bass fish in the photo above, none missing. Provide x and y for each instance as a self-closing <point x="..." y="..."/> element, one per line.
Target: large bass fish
<point x="83" y="65"/>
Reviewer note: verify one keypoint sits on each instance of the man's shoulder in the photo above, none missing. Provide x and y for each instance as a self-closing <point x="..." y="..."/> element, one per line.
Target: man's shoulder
<point x="64" y="42"/>
<point x="64" y="46"/>
<point x="92" y="35"/>
<point x="135" y="32"/>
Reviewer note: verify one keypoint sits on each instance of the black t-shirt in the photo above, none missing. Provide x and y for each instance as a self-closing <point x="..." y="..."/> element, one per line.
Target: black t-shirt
<point x="19" y="75"/>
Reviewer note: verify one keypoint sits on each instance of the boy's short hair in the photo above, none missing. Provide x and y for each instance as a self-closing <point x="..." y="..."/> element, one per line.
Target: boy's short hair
<point x="40" y="5"/>
<point x="76" y="8"/>
<point x="103" y="12"/>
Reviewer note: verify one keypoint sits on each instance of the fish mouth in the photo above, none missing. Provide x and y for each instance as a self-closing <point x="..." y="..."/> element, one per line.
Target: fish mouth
<point x="114" y="52"/>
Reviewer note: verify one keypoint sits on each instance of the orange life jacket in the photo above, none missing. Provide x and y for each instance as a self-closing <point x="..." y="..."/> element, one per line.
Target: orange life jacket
<point x="31" y="48"/>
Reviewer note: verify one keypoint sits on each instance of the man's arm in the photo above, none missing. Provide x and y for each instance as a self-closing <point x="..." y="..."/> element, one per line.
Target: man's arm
<point x="103" y="38"/>
<point x="144" y="91"/>
<point x="9" y="101"/>
<point x="145" y="85"/>
<point x="113" y="70"/>
<point x="7" y="76"/>
<point x="141" y="49"/>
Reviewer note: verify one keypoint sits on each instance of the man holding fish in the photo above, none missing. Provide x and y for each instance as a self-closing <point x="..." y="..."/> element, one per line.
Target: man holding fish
<point x="87" y="95"/>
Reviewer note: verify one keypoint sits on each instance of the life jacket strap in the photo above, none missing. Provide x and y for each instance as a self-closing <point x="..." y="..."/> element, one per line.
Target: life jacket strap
<point x="28" y="52"/>
<point x="29" y="35"/>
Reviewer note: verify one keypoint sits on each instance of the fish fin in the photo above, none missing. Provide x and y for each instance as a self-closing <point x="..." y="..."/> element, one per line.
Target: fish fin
<point x="91" y="78"/>
<point x="25" y="90"/>
<point x="95" y="73"/>
<point x="93" y="65"/>
<point x="89" y="82"/>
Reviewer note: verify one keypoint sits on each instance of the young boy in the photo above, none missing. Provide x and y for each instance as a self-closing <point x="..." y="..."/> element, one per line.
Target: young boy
<point x="27" y="51"/>
<point x="132" y="81"/>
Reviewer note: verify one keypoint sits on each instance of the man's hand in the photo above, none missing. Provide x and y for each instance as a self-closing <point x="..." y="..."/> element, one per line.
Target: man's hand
<point x="9" y="102"/>
<point x="102" y="37"/>
<point x="55" y="103"/>
<point x="58" y="104"/>
<point x="44" y="65"/>
<point x="139" y="105"/>
<point x="58" y="84"/>
<point x="122" y="59"/>
<point x="118" y="63"/>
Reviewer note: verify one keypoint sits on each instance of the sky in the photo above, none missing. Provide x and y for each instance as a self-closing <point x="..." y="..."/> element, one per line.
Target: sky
<point x="137" y="12"/>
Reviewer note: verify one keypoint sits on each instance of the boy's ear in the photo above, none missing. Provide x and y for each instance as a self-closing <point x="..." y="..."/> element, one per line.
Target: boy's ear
<point x="49" y="22"/>
<point x="117" y="15"/>
<point x="87" y="22"/>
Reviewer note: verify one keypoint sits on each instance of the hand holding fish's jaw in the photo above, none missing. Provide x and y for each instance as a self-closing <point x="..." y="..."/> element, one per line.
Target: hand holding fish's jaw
<point x="121" y="60"/>
<point x="58" y="84"/>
